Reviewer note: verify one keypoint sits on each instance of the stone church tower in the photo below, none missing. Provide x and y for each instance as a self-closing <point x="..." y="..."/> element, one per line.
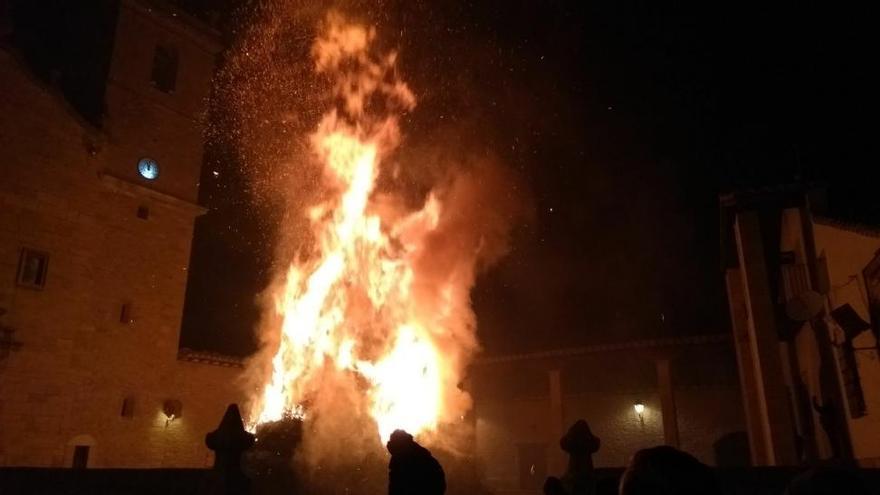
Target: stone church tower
<point x="101" y="132"/>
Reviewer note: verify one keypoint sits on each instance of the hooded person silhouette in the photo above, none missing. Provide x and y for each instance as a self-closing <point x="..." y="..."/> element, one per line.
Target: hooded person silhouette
<point x="412" y="469"/>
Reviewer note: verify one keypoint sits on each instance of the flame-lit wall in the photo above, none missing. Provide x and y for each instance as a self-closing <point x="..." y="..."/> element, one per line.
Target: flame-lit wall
<point x="514" y="417"/>
<point x="71" y="190"/>
<point x="845" y="251"/>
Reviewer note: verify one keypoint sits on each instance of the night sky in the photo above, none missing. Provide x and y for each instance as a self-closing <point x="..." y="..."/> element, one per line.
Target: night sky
<point x="625" y="119"/>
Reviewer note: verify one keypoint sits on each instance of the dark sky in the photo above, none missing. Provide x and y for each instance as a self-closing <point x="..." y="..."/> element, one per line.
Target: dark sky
<point x="626" y="120"/>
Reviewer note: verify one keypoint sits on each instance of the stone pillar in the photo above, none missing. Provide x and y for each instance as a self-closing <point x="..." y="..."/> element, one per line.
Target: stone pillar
<point x="770" y="391"/>
<point x="556" y="462"/>
<point x="667" y="403"/>
<point x="747" y="380"/>
<point x="832" y="387"/>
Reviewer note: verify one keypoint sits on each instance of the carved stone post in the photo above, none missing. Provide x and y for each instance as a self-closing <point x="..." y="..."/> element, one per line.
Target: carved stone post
<point x="580" y="444"/>
<point x="229" y="441"/>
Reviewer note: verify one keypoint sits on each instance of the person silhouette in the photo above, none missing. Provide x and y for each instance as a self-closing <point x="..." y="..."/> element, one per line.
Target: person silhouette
<point x="553" y="486"/>
<point x="412" y="469"/>
<point x="666" y="470"/>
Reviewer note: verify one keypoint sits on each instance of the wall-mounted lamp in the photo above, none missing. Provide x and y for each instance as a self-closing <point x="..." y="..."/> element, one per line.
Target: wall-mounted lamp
<point x="172" y="409"/>
<point x="639" y="408"/>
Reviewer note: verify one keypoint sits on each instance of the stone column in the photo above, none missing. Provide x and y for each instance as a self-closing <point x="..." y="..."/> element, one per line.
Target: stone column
<point x="773" y="405"/>
<point x="832" y="388"/>
<point x="747" y="380"/>
<point x="667" y="403"/>
<point x="556" y="419"/>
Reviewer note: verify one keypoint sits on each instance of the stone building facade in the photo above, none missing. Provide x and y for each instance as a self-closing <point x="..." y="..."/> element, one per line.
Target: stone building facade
<point x="804" y="293"/>
<point x="523" y="404"/>
<point x="851" y="256"/>
<point x="97" y="209"/>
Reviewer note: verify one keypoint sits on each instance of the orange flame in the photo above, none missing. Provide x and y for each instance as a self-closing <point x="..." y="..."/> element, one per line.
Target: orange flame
<point x="349" y="308"/>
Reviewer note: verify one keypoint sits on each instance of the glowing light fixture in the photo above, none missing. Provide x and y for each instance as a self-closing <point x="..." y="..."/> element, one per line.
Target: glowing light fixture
<point x="172" y="409"/>
<point x="639" y="407"/>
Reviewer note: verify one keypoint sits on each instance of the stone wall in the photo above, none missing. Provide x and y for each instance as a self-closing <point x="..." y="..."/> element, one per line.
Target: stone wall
<point x="513" y="415"/>
<point x="844" y="250"/>
<point x="105" y="326"/>
<point x="847" y="253"/>
<point x="143" y="121"/>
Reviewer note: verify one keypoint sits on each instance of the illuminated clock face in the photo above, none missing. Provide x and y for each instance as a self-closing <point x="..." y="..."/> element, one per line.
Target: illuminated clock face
<point x="148" y="168"/>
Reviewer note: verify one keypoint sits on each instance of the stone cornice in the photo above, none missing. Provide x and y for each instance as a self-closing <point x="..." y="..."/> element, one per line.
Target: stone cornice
<point x="651" y="344"/>
<point x="129" y="188"/>
<point x="212" y="358"/>
<point x="858" y="228"/>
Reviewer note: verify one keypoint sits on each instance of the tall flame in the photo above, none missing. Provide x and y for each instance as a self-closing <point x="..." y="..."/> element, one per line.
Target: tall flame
<point x="372" y="321"/>
<point x="349" y="308"/>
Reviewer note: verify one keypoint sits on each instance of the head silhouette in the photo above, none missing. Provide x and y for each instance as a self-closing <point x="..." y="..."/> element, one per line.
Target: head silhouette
<point x="553" y="486"/>
<point x="400" y="442"/>
<point x="412" y="469"/>
<point x="667" y="471"/>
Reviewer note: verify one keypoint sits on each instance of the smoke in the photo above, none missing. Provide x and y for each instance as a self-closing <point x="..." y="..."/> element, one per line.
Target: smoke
<point x="407" y="294"/>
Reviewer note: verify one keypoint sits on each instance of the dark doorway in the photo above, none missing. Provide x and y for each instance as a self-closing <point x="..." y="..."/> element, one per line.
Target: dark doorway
<point x="532" y="465"/>
<point x="80" y="457"/>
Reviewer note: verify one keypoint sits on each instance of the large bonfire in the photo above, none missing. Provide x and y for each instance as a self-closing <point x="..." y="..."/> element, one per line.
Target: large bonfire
<point x="379" y="302"/>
